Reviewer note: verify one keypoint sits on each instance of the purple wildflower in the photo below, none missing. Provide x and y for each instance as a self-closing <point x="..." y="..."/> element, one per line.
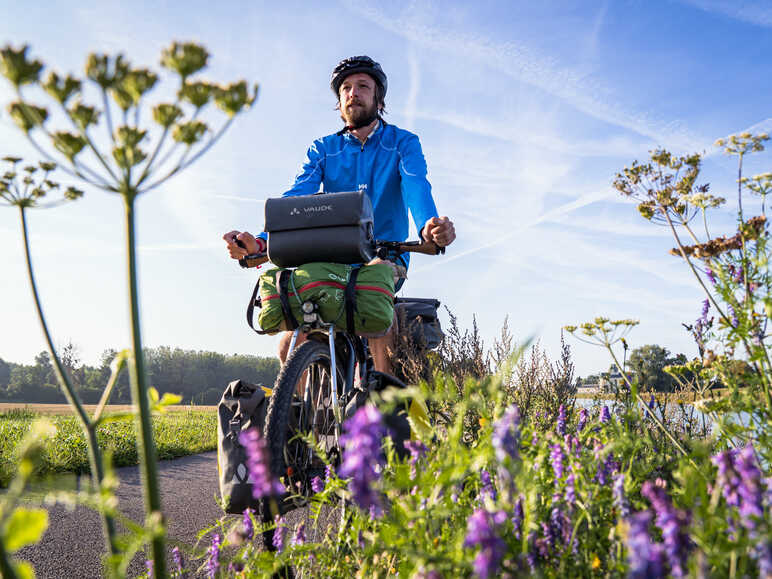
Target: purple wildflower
<point x="482" y="531"/>
<point x="279" y="534"/>
<point x="317" y="485"/>
<point x="560" y="528"/>
<point x="728" y="478"/>
<point x="750" y="489"/>
<point x="582" y="420"/>
<point x="518" y="517"/>
<point x="570" y="490"/>
<point x="417" y="451"/>
<point x="672" y="523"/>
<point x="576" y="446"/>
<point x="177" y="559"/>
<point x="739" y="276"/>
<point x="246" y="522"/>
<point x="601" y="475"/>
<point x="620" y="499"/>
<point x="362" y="453"/>
<point x="711" y="276"/>
<point x="561" y="422"/>
<point x="705" y="309"/>
<point x="329" y="473"/>
<point x="149" y="567"/>
<point x="488" y="490"/>
<point x="506" y="435"/>
<point x="213" y="564"/>
<point x="263" y="482"/>
<point x="300" y="534"/>
<point x="763" y="552"/>
<point x="733" y="316"/>
<point x="643" y="555"/>
<point x="605" y="415"/>
<point x="557" y="457"/>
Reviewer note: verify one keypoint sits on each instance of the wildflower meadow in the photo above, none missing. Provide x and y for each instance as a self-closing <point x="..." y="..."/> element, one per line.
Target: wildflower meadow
<point x="505" y="475"/>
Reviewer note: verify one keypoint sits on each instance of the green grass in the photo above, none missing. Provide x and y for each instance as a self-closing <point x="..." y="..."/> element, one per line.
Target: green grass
<point x="176" y="434"/>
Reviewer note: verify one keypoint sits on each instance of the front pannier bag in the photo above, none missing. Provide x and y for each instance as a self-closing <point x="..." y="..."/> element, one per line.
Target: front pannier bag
<point x="242" y="406"/>
<point x="359" y="299"/>
<point x="323" y="227"/>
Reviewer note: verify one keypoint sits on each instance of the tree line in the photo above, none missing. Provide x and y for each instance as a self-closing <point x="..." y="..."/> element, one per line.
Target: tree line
<point x="647" y="365"/>
<point x="198" y="376"/>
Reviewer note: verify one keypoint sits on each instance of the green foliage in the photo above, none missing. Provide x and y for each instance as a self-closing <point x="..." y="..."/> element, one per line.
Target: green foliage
<point x="24" y="527"/>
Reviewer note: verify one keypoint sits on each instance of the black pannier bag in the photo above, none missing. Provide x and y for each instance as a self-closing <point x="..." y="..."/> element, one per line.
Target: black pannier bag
<point x="334" y="227"/>
<point x="423" y="323"/>
<point x="242" y="406"/>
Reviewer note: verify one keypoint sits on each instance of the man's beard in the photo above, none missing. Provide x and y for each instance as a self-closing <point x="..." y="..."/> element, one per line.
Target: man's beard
<point x="357" y="117"/>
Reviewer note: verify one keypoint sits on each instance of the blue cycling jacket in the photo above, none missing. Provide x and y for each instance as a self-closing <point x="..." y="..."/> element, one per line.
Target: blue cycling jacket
<point x="389" y="167"/>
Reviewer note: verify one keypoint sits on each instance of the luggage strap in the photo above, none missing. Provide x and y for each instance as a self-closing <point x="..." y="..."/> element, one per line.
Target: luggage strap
<point x="282" y="285"/>
<point x="251" y="308"/>
<point x="282" y="282"/>
<point x="350" y="298"/>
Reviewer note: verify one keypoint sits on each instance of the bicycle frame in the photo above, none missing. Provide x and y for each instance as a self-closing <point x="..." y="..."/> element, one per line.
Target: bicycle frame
<point x="352" y="353"/>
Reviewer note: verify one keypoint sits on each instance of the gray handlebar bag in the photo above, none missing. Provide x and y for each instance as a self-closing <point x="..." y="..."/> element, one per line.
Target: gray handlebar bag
<point x="242" y="406"/>
<point x="336" y="227"/>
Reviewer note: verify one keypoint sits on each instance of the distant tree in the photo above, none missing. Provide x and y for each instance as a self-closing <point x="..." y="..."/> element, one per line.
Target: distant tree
<point x="648" y="363"/>
<point x="5" y="373"/>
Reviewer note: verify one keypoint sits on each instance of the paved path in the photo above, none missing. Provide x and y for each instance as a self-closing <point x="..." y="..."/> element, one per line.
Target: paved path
<point x="73" y="545"/>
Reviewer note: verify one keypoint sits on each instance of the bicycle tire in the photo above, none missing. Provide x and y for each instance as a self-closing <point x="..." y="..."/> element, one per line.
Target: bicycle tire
<point x="291" y="458"/>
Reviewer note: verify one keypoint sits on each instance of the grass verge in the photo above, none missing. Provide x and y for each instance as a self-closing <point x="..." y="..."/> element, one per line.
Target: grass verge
<point x="176" y="434"/>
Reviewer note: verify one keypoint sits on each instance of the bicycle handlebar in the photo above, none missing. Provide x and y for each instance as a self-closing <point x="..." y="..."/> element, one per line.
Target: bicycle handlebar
<point x="382" y="249"/>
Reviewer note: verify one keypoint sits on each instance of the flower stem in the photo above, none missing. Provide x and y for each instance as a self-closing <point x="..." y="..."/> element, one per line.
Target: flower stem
<point x="654" y="416"/>
<point x="146" y="445"/>
<point x="6" y="568"/>
<point x="94" y="453"/>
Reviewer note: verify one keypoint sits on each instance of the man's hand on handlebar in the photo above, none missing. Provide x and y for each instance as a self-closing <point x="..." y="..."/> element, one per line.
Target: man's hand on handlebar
<point x="242" y="244"/>
<point x="439" y="230"/>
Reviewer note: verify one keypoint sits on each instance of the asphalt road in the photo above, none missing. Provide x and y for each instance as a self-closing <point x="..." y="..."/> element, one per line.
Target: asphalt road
<point x="73" y="545"/>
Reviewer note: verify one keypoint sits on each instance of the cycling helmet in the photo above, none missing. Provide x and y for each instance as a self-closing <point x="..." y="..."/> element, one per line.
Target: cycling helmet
<point x="354" y="65"/>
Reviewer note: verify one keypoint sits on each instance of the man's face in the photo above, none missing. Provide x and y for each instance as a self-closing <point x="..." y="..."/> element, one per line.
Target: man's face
<point x="357" y="98"/>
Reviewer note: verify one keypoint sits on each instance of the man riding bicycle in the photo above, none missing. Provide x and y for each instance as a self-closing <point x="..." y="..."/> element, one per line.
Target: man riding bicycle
<point x="368" y="155"/>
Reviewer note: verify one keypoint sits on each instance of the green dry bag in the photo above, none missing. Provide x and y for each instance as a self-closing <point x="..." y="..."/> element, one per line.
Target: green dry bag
<point x="368" y="291"/>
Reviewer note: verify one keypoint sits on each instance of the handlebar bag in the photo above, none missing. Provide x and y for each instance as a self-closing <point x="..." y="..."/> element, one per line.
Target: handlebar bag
<point x="322" y="227"/>
<point x="358" y="299"/>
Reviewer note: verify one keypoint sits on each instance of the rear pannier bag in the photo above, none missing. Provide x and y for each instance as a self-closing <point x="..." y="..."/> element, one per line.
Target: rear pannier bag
<point x="423" y="323"/>
<point x="322" y="227"/>
<point x="358" y="299"/>
<point x="242" y="406"/>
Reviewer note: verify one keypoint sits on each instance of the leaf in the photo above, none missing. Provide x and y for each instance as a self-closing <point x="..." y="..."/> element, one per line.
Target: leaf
<point x="24" y="527"/>
<point x="159" y="403"/>
<point x="23" y="570"/>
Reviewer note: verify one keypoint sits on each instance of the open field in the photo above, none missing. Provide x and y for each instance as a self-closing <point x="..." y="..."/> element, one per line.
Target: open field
<point x="64" y="409"/>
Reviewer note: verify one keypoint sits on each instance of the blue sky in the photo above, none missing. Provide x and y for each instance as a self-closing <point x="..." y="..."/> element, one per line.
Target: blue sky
<point x="525" y="110"/>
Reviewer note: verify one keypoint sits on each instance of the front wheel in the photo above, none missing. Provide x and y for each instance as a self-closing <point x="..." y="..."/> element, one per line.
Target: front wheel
<point x="301" y="419"/>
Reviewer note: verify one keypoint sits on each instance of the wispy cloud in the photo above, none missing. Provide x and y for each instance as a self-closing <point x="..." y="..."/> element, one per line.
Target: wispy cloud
<point x="757" y="13"/>
<point x="582" y="201"/>
<point x="415" y="85"/>
<point x="585" y="93"/>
